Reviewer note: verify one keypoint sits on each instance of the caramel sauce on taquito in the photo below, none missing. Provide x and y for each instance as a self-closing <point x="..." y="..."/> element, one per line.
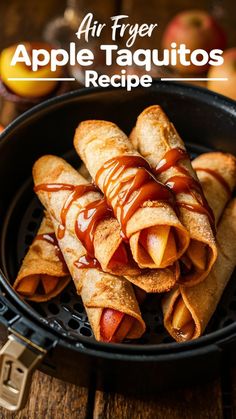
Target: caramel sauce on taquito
<point x="130" y="193"/>
<point x="88" y="262"/>
<point x="86" y="221"/>
<point x="76" y="193"/>
<point x="85" y="225"/>
<point x="217" y="176"/>
<point x="185" y="184"/>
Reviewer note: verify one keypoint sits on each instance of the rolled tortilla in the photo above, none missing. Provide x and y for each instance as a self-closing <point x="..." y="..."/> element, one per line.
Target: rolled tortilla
<point x="156" y="280"/>
<point x="110" y="302"/>
<point x="187" y="311"/>
<point x="84" y="172"/>
<point x="216" y="172"/>
<point x="107" y="237"/>
<point x="143" y="207"/>
<point x="158" y="141"/>
<point x="35" y="283"/>
<point x="107" y="243"/>
<point x="43" y="273"/>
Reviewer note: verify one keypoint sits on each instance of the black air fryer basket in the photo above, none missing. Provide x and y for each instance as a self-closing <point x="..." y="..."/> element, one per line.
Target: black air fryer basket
<point x="56" y="336"/>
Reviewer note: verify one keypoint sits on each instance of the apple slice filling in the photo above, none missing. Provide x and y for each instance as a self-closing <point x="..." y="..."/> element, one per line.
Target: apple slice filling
<point x="33" y="284"/>
<point x="197" y="253"/>
<point x="115" y="325"/>
<point x="119" y="257"/>
<point x="49" y="283"/>
<point x="182" y="320"/>
<point x="159" y="243"/>
<point x="28" y="285"/>
<point x="123" y="328"/>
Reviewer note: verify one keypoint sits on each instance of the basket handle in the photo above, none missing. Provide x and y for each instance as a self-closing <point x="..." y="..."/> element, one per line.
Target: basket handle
<point x="18" y="360"/>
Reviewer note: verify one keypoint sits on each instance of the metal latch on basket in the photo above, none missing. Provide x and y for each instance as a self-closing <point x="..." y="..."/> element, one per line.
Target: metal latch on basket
<point x="17" y="363"/>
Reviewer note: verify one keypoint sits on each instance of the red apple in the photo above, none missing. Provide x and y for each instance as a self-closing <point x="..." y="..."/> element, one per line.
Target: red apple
<point x="110" y="320"/>
<point x="197" y="30"/>
<point x="228" y="70"/>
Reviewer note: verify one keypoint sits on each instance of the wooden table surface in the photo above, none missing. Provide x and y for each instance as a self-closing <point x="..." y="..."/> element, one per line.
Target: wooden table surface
<point x="53" y="398"/>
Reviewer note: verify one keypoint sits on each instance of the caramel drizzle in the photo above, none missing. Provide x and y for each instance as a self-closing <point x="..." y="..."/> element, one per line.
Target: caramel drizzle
<point x="185" y="184"/>
<point x="217" y="176"/>
<point x="133" y="191"/>
<point x="170" y="159"/>
<point x="88" y="262"/>
<point x="77" y="192"/>
<point x="87" y="220"/>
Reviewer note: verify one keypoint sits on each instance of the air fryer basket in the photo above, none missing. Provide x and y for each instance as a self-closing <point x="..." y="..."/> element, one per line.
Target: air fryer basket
<point x="54" y="329"/>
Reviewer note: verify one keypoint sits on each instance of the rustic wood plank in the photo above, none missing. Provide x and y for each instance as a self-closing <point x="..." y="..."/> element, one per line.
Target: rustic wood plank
<point x="50" y="398"/>
<point x="53" y="398"/>
<point x="199" y="402"/>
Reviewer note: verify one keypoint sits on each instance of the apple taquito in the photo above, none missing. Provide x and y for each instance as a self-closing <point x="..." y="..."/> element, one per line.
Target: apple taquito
<point x="143" y="206"/>
<point x="41" y="277"/>
<point x="216" y="172"/>
<point x="79" y="207"/>
<point x="158" y="141"/>
<point x="188" y="310"/>
<point x="43" y="273"/>
<point x="110" y="301"/>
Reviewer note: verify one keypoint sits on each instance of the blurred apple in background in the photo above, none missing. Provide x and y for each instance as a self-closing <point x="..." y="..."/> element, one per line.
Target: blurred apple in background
<point x="29" y="88"/>
<point x="1" y="128"/>
<point x="227" y="69"/>
<point x="196" y="29"/>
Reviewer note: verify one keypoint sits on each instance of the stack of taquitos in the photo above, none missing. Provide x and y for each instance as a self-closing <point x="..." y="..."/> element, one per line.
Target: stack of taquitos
<point x="43" y="273"/>
<point x="156" y="138"/>
<point x="187" y="310"/>
<point x="80" y="208"/>
<point x="97" y="247"/>
<point x="143" y="206"/>
<point x="110" y="301"/>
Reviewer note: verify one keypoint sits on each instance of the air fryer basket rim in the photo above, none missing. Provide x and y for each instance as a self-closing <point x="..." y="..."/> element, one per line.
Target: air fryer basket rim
<point x="207" y="96"/>
<point x="167" y="348"/>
